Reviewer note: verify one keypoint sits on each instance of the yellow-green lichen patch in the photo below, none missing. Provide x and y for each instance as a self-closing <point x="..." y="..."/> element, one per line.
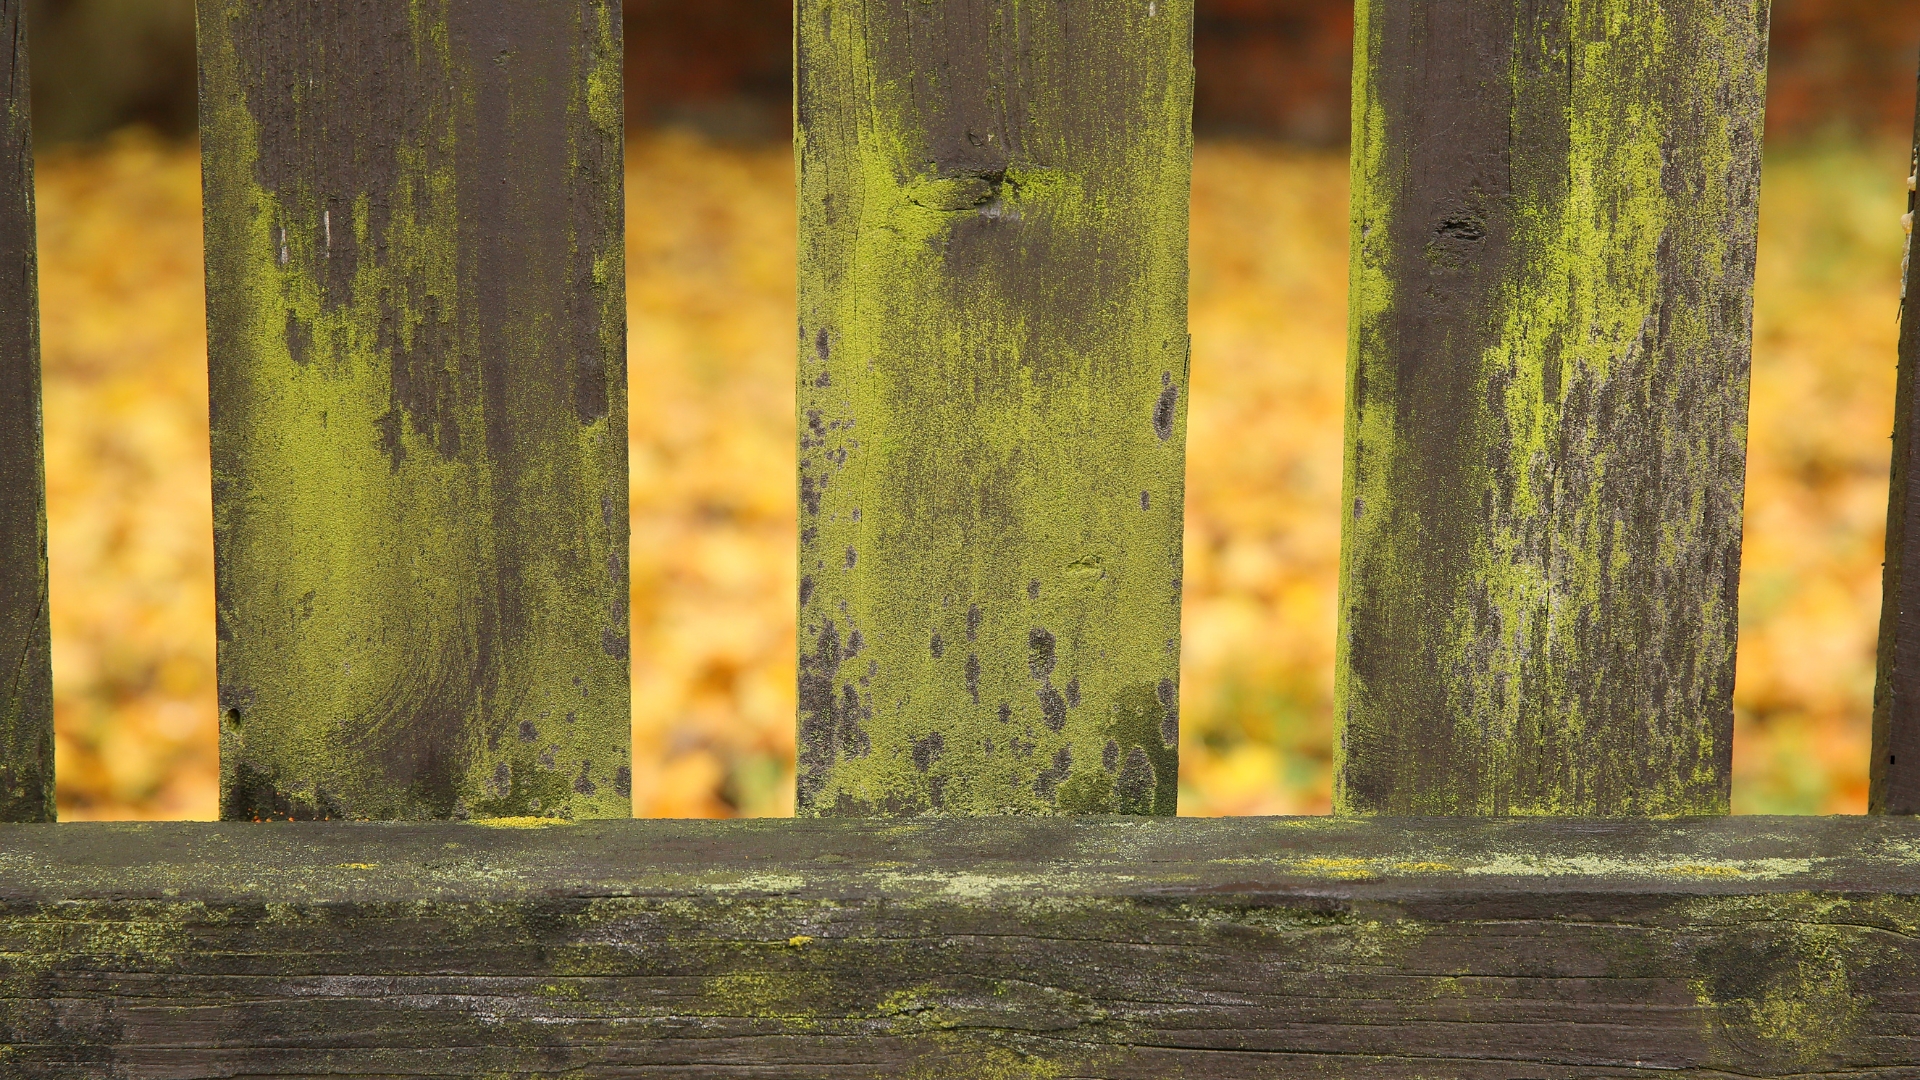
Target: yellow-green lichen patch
<point x="1547" y="397"/>
<point x="992" y="394"/>
<point x="1518" y="864"/>
<point x="964" y="1058"/>
<point x="1534" y="864"/>
<point x="417" y="359"/>
<point x="786" y="995"/>
<point x="1787" y="989"/>
<point x="520" y="822"/>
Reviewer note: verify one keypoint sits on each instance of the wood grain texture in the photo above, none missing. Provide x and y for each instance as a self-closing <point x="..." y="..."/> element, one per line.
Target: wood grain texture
<point x="1001" y="948"/>
<point x="993" y="386"/>
<point x="1895" y="774"/>
<point x="1554" y="212"/>
<point x="415" y="287"/>
<point x="26" y="673"/>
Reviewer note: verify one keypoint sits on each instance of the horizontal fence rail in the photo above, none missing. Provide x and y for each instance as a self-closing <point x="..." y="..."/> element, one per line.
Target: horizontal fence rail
<point x="1019" y="948"/>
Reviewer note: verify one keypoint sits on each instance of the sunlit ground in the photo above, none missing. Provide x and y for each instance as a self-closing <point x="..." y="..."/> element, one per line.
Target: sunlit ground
<point x="711" y="255"/>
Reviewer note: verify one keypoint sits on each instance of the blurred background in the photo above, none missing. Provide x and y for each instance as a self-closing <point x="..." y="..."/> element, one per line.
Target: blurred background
<point x="711" y="305"/>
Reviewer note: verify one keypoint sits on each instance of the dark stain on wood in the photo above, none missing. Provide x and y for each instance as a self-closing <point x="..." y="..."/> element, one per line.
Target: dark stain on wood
<point x="992" y="369"/>
<point x="26" y="673"/>
<point x="1011" y="947"/>
<point x="1554" y="219"/>
<point x="417" y="334"/>
<point x="1895" y="774"/>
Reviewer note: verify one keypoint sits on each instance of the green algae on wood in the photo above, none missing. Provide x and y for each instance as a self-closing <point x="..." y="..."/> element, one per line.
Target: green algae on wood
<point x="26" y="672"/>
<point x="992" y="403"/>
<point x="1553" y="227"/>
<point x="415" y="287"/>
<point x="1016" y="947"/>
<point x="1895" y="773"/>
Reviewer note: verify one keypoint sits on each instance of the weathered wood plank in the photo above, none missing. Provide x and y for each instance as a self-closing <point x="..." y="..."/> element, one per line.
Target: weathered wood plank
<point x="992" y="379"/>
<point x="415" y="305"/>
<point x="26" y="673"/>
<point x="1017" y="947"/>
<point x="1554" y="208"/>
<point x="1895" y="783"/>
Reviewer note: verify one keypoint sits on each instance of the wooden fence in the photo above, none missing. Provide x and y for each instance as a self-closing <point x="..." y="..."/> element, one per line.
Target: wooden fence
<point x="419" y="401"/>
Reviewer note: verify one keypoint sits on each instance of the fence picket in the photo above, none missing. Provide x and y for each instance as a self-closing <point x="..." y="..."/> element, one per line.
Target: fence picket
<point x="417" y="333"/>
<point x="993" y="386"/>
<point x="1554" y="213"/>
<point x="1895" y="783"/>
<point x="26" y="694"/>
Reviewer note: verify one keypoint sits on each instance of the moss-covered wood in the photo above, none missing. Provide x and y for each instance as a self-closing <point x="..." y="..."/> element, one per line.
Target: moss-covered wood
<point x="416" y="318"/>
<point x="1895" y="787"/>
<point x="992" y="403"/>
<point x="26" y="674"/>
<point x="1553" y="219"/>
<point x="997" y="948"/>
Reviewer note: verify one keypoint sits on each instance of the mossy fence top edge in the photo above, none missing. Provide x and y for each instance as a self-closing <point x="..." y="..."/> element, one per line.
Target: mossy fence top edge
<point x="957" y="860"/>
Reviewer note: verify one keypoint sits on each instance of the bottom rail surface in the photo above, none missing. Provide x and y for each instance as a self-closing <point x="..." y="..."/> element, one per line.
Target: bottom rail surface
<point x="967" y="948"/>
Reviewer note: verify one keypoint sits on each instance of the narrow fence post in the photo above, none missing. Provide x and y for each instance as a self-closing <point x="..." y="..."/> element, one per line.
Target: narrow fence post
<point x="26" y="689"/>
<point x="1895" y="773"/>
<point x="992" y="394"/>
<point x="1554" y="214"/>
<point x="415" y="286"/>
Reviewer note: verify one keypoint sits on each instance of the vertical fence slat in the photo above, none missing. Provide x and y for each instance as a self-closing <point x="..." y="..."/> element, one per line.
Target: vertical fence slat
<point x="26" y="675"/>
<point x="1554" y="213"/>
<point x="1895" y="773"/>
<point x="416" y="315"/>
<point x="993" y="387"/>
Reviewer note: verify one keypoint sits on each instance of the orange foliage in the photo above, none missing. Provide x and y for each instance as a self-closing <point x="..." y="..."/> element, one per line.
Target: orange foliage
<point x="711" y="257"/>
<point x="129" y="503"/>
